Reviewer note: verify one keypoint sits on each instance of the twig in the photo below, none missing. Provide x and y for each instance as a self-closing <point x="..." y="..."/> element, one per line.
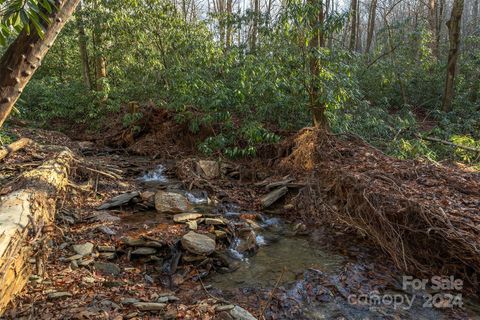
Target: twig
<point x="272" y="292"/>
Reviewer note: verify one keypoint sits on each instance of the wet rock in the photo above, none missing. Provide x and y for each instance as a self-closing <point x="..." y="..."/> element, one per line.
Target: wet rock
<point x="171" y="202"/>
<point x="83" y="249"/>
<point x="107" y="268"/>
<point x="238" y="313"/>
<point x="208" y="169"/>
<point x="119" y="200"/>
<point x="246" y="241"/>
<point x="273" y="196"/>
<point x="253" y="224"/>
<point x="58" y="295"/>
<point x="214" y="221"/>
<point x="144" y="251"/>
<point x="150" y="306"/>
<point x="198" y="243"/>
<point x="184" y="217"/>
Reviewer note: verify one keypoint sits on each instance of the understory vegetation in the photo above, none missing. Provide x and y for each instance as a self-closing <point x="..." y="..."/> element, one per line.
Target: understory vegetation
<point x="244" y="73"/>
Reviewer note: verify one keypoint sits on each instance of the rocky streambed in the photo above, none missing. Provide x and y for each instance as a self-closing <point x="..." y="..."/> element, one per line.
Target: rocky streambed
<point x="159" y="250"/>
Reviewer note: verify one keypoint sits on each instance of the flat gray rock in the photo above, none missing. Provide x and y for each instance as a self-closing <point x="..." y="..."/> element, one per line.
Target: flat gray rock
<point x="238" y="313"/>
<point x="119" y="200"/>
<point x="83" y="249"/>
<point x="198" y="243"/>
<point x="144" y="251"/>
<point x="171" y="202"/>
<point x="184" y="217"/>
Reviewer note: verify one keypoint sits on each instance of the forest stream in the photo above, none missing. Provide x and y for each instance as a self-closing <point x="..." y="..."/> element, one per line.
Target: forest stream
<point x="312" y="280"/>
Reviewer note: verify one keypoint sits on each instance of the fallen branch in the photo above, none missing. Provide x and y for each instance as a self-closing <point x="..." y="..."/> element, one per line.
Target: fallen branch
<point x="448" y="143"/>
<point x="14" y="146"/>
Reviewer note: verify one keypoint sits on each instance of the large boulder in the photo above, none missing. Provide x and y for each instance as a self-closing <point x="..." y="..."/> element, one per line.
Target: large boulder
<point x="198" y="243"/>
<point x="171" y="202"/>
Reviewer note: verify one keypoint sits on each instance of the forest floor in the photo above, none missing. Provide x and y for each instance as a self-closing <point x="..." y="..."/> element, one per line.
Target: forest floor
<point x="243" y="240"/>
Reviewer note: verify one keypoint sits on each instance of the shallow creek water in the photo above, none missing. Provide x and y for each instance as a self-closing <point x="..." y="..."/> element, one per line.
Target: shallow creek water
<point x="298" y="261"/>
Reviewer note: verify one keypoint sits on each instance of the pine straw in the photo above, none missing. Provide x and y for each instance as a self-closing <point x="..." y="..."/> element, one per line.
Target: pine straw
<point x="425" y="216"/>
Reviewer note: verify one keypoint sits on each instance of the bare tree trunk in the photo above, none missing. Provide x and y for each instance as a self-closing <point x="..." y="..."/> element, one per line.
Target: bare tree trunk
<point x="353" y="25"/>
<point x="228" y="40"/>
<point x="371" y="24"/>
<point x="256" y="16"/>
<point x="454" y="38"/>
<point x="433" y="22"/>
<point x="24" y="56"/>
<point x="474" y="22"/>
<point x="82" y="42"/>
<point x="318" y="40"/>
<point x="101" y="71"/>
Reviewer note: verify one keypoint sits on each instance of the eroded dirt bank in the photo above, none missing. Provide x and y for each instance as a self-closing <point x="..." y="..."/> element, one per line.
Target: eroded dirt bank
<point x="146" y="237"/>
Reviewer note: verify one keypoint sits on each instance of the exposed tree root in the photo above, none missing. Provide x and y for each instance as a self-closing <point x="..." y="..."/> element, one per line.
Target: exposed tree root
<point x="426" y="217"/>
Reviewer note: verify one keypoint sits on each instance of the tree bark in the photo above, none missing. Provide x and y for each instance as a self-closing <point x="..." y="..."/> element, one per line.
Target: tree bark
<point x="24" y="215"/>
<point x="24" y="56"/>
<point x="229" y="22"/>
<point x="454" y="38"/>
<point x="82" y="43"/>
<point x="256" y="16"/>
<point x="317" y="41"/>
<point x="353" y="25"/>
<point x="433" y="22"/>
<point x="371" y="25"/>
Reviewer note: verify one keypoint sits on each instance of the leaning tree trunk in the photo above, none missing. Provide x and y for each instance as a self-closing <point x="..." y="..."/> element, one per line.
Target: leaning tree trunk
<point x="454" y="38"/>
<point x="24" y="56"/>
